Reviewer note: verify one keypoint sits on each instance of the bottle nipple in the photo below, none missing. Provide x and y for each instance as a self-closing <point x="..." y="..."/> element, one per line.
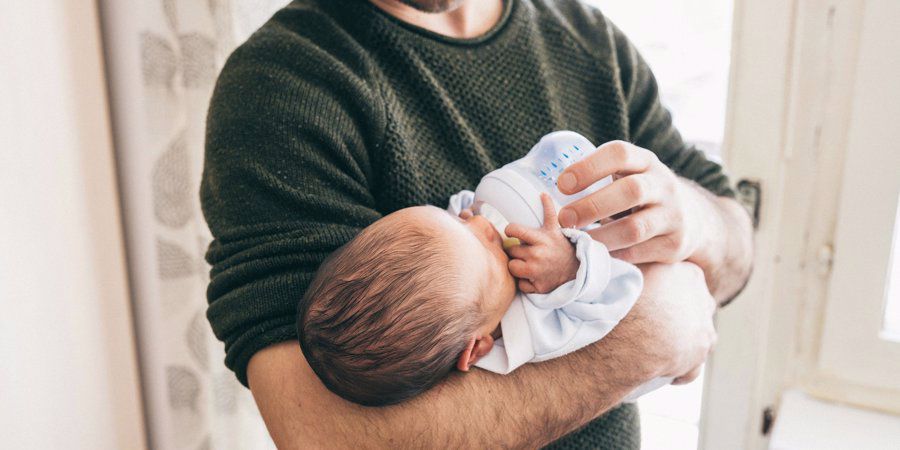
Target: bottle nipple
<point x="509" y="243"/>
<point x="499" y="222"/>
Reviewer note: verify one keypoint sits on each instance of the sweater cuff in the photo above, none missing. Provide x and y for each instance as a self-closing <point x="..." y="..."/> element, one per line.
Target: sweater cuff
<point x="241" y="350"/>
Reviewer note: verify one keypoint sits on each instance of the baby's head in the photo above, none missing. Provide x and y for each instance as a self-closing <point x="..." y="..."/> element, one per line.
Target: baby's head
<point x="414" y="295"/>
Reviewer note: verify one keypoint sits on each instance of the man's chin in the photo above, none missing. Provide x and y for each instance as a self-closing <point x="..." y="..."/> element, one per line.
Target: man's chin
<point x="433" y="6"/>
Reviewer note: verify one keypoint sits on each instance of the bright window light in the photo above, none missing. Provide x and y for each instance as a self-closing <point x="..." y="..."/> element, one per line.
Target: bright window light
<point x="891" y="330"/>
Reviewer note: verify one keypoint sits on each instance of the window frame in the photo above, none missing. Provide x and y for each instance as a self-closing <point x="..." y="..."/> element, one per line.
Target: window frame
<point x="865" y="234"/>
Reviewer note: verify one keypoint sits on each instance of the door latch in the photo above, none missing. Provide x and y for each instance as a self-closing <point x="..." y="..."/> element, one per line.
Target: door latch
<point x="749" y="195"/>
<point x="768" y="419"/>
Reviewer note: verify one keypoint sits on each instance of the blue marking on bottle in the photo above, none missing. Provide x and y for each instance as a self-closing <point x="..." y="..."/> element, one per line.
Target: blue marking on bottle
<point x="553" y="164"/>
<point x="567" y="156"/>
<point x="543" y="173"/>
<point x="576" y="148"/>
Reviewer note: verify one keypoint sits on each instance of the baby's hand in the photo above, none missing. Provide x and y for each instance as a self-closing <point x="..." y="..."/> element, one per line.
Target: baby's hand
<point x="546" y="259"/>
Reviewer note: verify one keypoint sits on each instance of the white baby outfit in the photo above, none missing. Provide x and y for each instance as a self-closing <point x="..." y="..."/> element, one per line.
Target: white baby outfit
<point x="538" y="327"/>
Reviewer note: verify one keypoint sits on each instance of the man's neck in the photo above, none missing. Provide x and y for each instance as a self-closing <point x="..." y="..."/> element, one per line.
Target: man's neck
<point x="472" y="18"/>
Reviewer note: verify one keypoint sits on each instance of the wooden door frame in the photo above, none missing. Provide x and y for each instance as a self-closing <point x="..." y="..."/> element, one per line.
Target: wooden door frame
<point x="789" y="101"/>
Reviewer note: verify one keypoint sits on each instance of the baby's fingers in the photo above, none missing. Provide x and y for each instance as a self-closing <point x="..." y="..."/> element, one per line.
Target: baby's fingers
<point x="521" y="269"/>
<point x="525" y="234"/>
<point x="519" y="252"/>
<point x="527" y="287"/>
<point x="550" y="219"/>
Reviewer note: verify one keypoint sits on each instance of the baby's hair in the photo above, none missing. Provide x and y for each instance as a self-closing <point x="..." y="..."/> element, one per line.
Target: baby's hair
<point x="387" y="315"/>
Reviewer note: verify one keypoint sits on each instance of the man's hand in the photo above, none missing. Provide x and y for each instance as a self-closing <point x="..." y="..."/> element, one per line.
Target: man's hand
<point x="546" y="259"/>
<point x="677" y="294"/>
<point x="671" y="220"/>
<point x="667" y="225"/>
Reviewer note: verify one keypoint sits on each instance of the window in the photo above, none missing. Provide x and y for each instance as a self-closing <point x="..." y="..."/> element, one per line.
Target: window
<point x="891" y="328"/>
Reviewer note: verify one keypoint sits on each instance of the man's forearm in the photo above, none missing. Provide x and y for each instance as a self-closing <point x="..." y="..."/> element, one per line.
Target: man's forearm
<point x="667" y="333"/>
<point x="533" y="406"/>
<point x="728" y="259"/>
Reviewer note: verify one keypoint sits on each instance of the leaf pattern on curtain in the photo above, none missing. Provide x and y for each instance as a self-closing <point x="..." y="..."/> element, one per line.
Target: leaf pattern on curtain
<point x="173" y="189"/>
<point x="174" y="261"/>
<point x="159" y="62"/>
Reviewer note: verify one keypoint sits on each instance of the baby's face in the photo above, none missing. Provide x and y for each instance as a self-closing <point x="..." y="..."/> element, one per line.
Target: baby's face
<point x="479" y="249"/>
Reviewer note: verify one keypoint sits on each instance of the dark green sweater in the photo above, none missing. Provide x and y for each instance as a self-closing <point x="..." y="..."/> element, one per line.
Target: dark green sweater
<point x="334" y="114"/>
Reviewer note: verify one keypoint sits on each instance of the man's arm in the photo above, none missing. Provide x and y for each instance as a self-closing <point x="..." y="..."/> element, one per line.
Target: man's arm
<point x="665" y="335"/>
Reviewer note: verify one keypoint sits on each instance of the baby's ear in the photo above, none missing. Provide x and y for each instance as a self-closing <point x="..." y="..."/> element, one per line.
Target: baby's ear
<point x="475" y="349"/>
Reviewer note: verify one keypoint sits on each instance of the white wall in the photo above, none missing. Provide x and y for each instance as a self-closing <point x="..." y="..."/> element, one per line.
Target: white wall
<point x="68" y="377"/>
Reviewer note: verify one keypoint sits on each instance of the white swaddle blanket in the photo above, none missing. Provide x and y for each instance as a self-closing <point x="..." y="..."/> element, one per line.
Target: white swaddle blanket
<point x="538" y="327"/>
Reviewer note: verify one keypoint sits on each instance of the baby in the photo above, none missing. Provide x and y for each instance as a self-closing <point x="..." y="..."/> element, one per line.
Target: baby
<point x="424" y="291"/>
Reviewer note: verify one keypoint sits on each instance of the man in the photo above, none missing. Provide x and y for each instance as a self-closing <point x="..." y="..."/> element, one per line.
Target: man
<point x="340" y="111"/>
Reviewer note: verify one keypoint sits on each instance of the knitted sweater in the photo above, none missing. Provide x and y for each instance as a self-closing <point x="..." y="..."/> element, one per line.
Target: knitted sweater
<point x="334" y="114"/>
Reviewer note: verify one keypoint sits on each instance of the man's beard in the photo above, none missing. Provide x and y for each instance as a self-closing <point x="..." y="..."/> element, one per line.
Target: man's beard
<point x="433" y="6"/>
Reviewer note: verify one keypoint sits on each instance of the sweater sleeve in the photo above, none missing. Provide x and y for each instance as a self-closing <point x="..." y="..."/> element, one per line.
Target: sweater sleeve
<point x="650" y="123"/>
<point x="286" y="181"/>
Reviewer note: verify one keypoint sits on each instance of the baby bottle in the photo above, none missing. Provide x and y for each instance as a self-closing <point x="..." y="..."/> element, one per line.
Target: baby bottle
<point x="511" y="194"/>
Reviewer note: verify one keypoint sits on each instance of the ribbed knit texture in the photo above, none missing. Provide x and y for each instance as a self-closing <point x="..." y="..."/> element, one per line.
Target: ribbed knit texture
<point x="619" y="429"/>
<point x="334" y="114"/>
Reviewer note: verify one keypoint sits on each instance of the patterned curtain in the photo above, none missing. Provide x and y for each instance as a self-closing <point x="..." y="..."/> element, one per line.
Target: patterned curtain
<point x="163" y="57"/>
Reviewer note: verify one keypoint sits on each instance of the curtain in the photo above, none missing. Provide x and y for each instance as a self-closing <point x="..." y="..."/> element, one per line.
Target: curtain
<point x="162" y="60"/>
